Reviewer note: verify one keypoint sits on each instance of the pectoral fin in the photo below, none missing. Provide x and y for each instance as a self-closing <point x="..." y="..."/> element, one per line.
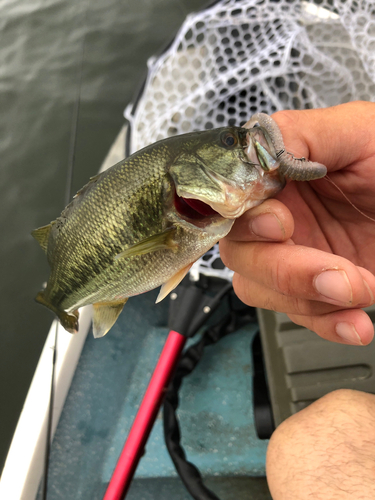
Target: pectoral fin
<point x="172" y="283"/>
<point x="105" y="316"/>
<point x="161" y="241"/>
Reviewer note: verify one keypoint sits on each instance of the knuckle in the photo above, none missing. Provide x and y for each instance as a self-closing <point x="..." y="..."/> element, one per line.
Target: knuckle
<point x="281" y="278"/>
<point x="310" y="308"/>
<point x="270" y="304"/>
<point x="302" y="307"/>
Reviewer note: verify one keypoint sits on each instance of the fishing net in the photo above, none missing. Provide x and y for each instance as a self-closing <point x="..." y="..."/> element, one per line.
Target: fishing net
<point x="232" y="60"/>
<point x="240" y="57"/>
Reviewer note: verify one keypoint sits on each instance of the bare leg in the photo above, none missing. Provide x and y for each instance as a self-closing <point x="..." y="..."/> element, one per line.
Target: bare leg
<point x="326" y="451"/>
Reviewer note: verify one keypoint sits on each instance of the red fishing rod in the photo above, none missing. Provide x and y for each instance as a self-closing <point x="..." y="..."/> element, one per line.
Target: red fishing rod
<point x="145" y="418"/>
<point x="190" y="307"/>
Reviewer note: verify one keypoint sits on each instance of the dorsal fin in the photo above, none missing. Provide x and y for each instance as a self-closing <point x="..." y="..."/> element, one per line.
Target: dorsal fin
<point x="41" y="235"/>
<point x="89" y="185"/>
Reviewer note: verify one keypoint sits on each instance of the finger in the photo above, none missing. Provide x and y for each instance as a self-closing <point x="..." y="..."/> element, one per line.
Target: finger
<point x="299" y="271"/>
<point x="369" y="280"/>
<point x="349" y="326"/>
<point x="271" y="220"/>
<point x="330" y="135"/>
<point x="256" y="295"/>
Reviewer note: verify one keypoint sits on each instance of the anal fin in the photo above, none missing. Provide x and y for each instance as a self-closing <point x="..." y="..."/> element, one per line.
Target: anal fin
<point x="172" y="283"/>
<point x="105" y="316"/>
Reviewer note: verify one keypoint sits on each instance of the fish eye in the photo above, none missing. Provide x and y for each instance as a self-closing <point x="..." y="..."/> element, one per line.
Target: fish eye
<point x="228" y="139"/>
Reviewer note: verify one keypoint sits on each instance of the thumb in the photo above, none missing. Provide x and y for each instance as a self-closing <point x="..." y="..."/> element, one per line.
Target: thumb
<point x="335" y="136"/>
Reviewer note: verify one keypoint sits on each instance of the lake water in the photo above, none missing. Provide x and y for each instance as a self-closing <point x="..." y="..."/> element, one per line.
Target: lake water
<point x="40" y="51"/>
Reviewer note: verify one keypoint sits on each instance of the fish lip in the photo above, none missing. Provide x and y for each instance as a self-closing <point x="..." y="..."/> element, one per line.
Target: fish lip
<point x="260" y="135"/>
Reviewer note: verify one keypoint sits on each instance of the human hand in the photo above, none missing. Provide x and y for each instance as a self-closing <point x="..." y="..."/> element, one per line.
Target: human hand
<point x="309" y="252"/>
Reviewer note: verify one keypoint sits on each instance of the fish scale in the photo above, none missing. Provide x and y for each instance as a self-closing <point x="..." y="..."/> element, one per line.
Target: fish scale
<point x="100" y="222"/>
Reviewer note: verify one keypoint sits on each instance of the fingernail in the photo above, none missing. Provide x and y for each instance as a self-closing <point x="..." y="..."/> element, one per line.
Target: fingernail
<point x="348" y="332"/>
<point x="370" y="300"/>
<point x="335" y="285"/>
<point x="268" y="226"/>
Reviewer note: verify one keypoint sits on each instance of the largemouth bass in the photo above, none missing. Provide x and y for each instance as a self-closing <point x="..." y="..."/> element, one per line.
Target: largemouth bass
<point x="145" y="221"/>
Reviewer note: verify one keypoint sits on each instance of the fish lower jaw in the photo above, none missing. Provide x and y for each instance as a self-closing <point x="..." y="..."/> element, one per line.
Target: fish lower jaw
<point x="236" y="211"/>
<point x="221" y="228"/>
<point x="230" y="214"/>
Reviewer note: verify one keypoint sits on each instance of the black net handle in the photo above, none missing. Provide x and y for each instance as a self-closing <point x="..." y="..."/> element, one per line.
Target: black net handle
<point x="187" y="471"/>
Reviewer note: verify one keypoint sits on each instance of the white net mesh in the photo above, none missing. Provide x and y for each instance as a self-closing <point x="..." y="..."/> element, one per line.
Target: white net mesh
<point x="211" y="265"/>
<point x="240" y="57"/>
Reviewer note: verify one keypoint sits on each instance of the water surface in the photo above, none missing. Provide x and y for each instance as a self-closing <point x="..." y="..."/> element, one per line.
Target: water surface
<point x="40" y="51"/>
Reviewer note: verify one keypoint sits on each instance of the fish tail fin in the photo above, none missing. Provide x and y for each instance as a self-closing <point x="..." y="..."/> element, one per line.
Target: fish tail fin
<point x="67" y="320"/>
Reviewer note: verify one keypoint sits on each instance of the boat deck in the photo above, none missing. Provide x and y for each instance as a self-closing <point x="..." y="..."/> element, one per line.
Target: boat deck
<point x="216" y="415"/>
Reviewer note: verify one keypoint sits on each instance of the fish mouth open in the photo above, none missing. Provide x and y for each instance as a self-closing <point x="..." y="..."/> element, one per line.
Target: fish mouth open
<point x="193" y="208"/>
